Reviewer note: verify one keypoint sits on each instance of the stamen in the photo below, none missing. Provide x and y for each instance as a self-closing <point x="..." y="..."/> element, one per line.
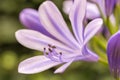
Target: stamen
<point x="44" y="49"/>
<point x="60" y="57"/>
<point x="52" y="54"/>
<point x="50" y="50"/>
<point x="45" y="53"/>
<point x="49" y="45"/>
<point x="60" y="53"/>
<point x="53" y="46"/>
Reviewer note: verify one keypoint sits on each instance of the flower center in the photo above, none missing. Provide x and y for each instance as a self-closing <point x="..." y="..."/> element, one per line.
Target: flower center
<point x="52" y="54"/>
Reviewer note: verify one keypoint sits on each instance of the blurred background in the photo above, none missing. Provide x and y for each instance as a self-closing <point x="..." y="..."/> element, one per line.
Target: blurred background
<point x="12" y="53"/>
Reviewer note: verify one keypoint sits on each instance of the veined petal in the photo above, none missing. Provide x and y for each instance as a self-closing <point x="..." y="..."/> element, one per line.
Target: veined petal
<point x="113" y="54"/>
<point x="85" y="55"/>
<point x="63" y="67"/>
<point x="91" y="29"/>
<point x="38" y="41"/>
<point x="92" y="11"/>
<point x="54" y="23"/>
<point x="76" y="16"/>
<point x="36" y="64"/>
<point x="89" y="55"/>
<point x="30" y="19"/>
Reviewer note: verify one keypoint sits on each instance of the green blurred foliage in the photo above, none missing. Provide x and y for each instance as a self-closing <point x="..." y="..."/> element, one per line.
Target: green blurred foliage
<point x="12" y="53"/>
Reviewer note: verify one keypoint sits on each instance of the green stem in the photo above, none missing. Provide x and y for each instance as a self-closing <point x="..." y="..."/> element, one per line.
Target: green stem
<point x="103" y="61"/>
<point x="100" y="51"/>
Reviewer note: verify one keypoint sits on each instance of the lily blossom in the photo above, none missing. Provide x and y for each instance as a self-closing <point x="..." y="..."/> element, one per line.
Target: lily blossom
<point x="66" y="47"/>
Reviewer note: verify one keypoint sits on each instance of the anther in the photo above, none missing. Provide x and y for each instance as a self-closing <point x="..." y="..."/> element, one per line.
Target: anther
<point x="44" y="48"/>
<point x="49" y="49"/>
<point x="46" y="53"/>
<point x="49" y="45"/>
<point x="60" y="53"/>
<point x="53" y="46"/>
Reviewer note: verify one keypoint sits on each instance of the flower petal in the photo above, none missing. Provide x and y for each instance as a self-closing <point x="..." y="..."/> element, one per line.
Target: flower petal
<point x="76" y="16"/>
<point x="29" y="18"/>
<point x="89" y="55"/>
<point x="54" y="23"/>
<point x="36" y="64"/>
<point x="113" y="54"/>
<point x="92" y="11"/>
<point x="101" y="4"/>
<point x="63" y="67"/>
<point x="85" y="55"/>
<point x="37" y="41"/>
<point x="67" y="6"/>
<point x="109" y="6"/>
<point x="91" y="29"/>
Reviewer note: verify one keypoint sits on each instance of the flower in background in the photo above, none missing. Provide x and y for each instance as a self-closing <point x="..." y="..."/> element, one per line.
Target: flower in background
<point x="106" y="7"/>
<point x="64" y="48"/>
<point x="113" y="53"/>
<point x="109" y="5"/>
<point x="91" y="9"/>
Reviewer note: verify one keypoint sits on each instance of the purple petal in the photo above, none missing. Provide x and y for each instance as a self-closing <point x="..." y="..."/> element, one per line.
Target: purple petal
<point x="109" y="6"/>
<point x="89" y="55"/>
<point x="63" y="67"/>
<point x="30" y="19"/>
<point x="92" y="11"/>
<point x="36" y="64"/>
<point x="38" y="41"/>
<point x="113" y="53"/>
<point x="91" y="29"/>
<point x="76" y="16"/>
<point x="54" y="23"/>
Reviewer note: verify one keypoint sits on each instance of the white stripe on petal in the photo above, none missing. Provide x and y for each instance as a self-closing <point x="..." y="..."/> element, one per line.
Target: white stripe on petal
<point x="91" y="29"/>
<point x="38" y="41"/>
<point x="63" y="67"/>
<point x="36" y="64"/>
<point x="54" y="23"/>
<point x="76" y="16"/>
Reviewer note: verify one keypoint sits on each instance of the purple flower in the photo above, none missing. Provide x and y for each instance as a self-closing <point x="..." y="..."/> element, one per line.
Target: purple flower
<point x="66" y="48"/>
<point x="106" y="7"/>
<point x="30" y="19"/>
<point x="113" y="53"/>
<point x="109" y="5"/>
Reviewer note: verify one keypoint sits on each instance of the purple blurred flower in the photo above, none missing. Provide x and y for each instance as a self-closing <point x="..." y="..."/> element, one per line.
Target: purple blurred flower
<point x="113" y="53"/>
<point x="106" y="6"/>
<point x="66" y="48"/>
<point x="30" y="19"/>
<point x="91" y="10"/>
<point x="109" y="5"/>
